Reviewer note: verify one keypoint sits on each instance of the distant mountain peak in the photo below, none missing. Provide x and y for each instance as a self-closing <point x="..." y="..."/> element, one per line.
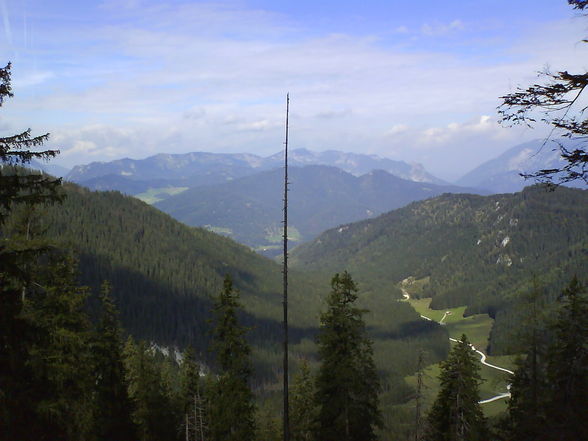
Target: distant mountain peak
<point x="205" y="168"/>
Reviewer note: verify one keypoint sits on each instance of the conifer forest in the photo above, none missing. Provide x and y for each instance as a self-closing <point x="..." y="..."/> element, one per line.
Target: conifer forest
<point x="303" y="296"/>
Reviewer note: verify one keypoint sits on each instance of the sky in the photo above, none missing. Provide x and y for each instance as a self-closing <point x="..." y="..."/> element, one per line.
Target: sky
<point x="413" y="81"/>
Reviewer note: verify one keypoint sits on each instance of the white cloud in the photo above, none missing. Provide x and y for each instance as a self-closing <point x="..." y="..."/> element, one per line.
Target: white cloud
<point x="397" y="129"/>
<point x="440" y="29"/>
<point x="206" y="76"/>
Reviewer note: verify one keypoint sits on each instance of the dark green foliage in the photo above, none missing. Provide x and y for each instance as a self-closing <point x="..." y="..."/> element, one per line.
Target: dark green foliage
<point x="15" y="186"/>
<point x="112" y="404"/>
<point x="303" y="407"/>
<point x="152" y="404"/>
<point x="567" y="366"/>
<point x="550" y="384"/>
<point x="164" y="273"/>
<point x="456" y="414"/>
<point x="268" y="424"/>
<point x="347" y="384"/>
<point x="193" y="402"/>
<point x="527" y="418"/>
<point x="231" y="400"/>
<point x="59" y="354"/>
<point x="477" y="251"/>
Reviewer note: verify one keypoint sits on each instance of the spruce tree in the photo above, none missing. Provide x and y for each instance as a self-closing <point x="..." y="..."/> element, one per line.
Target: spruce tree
<point x="232" y="411"/>
<point x="456" y="414"/>
<point x="526" y="407"/>
<point x="347" y="384"/>
<point x="303" y="408"/>
<point x="194" y="424"/>
<point x="112" y="403"/>
<point x="17" y="389"/>
<point x="60" y="353"/>
<point x="567" y="367"/>
<point x="18" y="186"/>
<point x="153" y="413"/>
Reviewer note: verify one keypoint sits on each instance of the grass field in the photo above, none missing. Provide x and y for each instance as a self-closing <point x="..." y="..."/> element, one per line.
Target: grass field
<point x="154" y="195"/>
<point x="219" y="230"/>
<point x="477" y="329"/>
<point x="274" y="234"/>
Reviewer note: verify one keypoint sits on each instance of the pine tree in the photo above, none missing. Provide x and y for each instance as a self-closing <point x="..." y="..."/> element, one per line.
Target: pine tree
<point x="526" y="407"/>
<point x="347" y="385"/>
<point x="194" y="405"/>
<point x="112" y="403"/>
<point x="303" y="408"/>
<point x="567" y="367"/>
<point x="456" y="414"/>
<point x="153" y="413"/>
<point x="17" y="391"/>
<point x="231" y="400"/>
<point x="59" y="354"/>
<point x="18" y="186"/>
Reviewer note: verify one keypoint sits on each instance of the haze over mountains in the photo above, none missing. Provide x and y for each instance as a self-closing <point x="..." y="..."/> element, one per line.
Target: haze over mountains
<point x="240" y="194"/>
<point x="249" y="209"/>
<point x="201" y="168"/>
<point x="503" y="174"/>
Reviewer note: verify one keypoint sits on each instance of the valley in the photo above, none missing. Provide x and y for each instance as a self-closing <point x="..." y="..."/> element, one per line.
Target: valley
<point x="293" y="221"/>
<point x="496" y="378"/>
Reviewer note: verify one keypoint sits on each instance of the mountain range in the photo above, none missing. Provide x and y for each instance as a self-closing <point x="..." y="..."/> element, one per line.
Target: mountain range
<point x="200" y="168"/>
<point x="249" y="209"/>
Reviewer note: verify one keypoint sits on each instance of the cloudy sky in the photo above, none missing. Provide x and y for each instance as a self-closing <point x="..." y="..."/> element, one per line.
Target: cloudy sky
<point x="413" y="80"/>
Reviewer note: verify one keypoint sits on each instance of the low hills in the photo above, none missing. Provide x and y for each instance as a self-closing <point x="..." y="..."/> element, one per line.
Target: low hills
<point x="250" y="209"/>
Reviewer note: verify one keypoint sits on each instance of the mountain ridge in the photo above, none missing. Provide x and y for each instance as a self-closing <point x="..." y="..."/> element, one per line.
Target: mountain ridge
<point x="321" y="197"/>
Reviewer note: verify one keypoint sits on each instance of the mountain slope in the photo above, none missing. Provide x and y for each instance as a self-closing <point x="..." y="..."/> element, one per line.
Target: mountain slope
<point x="164" y="275"/>
<point x="502" y="174"/>
<point x="320" y="197"/>
<point x="469" y="250"/>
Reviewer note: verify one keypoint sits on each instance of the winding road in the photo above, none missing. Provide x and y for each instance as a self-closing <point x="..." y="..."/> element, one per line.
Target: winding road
<point x="406" y="296"/>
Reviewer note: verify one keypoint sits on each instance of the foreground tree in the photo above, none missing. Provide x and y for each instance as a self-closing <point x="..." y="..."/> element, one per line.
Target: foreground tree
<point x="112" y="404"/>
<point x="456" y="414"/>
<point x="20" y="187"/>
<point x="558" y="103"/>
<point x="303" y="408"/>
<point x="232" y="412"/>
<point x="194" y="406"/>
<point x="526" y="416"/>
<point x="347" y="385"/>
<point x="153" y="411"/>
<point x="567" y="367"/>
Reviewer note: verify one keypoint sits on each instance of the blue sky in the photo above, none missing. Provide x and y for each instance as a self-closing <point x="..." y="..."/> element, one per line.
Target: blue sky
<point x="417" y="81"/>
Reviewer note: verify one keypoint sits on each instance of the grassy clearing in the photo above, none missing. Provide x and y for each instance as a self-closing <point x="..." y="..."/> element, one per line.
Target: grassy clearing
<point x="453" y="314"/>
<point x="154" y="195"/>
<point x="219" y="230"/>
<point x="477" y="329"/>
<point x="274" y="234"/>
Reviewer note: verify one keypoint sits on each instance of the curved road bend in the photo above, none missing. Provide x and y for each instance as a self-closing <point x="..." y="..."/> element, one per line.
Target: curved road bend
<point x="406" y="296"/>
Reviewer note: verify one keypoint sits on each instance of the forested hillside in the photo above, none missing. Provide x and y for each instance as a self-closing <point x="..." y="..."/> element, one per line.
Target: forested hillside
<point x="321" y="197"/>
<point x="468" y="250"/>
<point x="163" y="275"/>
